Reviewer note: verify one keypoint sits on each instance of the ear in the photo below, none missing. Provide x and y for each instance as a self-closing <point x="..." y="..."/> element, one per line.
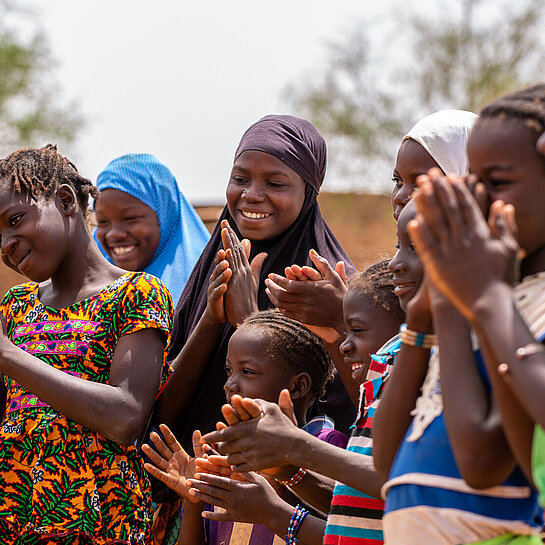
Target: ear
<point x="66" y="199"/>
<point x="301" y="386"/>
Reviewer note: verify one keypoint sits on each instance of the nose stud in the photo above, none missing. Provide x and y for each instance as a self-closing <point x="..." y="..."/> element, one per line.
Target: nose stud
<point x="244" y="191"/>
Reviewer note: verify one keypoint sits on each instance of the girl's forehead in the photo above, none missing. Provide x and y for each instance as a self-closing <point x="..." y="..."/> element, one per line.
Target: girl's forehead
<point x="501" y="141"/>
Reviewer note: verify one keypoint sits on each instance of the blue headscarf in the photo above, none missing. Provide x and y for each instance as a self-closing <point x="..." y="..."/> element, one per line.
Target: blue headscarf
<point x="183" y="234"/>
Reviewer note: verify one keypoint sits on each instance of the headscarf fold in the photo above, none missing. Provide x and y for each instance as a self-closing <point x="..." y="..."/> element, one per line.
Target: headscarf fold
<point x="183" y="234"/>
<point x="308" y="231"/>
<point x="444" y="135"/>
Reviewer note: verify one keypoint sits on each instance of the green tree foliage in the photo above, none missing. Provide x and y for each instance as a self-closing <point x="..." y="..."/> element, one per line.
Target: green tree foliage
<point x="469" y="54"/>
<point x="31" y="108"/>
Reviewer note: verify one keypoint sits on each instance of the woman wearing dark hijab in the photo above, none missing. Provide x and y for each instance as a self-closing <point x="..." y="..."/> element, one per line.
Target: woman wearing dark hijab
<point x="278" y="169"/>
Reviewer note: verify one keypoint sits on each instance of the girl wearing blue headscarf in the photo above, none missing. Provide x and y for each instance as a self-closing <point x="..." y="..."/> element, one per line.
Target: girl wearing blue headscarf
<point x="144" y="223"/>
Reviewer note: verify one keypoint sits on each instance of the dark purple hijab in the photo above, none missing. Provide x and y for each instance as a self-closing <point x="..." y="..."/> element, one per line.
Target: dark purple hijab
<point x="299" y="145"/>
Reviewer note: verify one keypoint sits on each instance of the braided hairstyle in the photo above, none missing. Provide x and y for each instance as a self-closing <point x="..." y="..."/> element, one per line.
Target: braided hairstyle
<point x="376" y="282"/>
<point x="527" y="104"/>
<point x="294" y="345"/>
<point x="41" y="171"/>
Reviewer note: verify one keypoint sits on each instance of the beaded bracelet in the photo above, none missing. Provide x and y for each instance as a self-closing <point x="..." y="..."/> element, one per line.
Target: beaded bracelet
<point x="416" y="338"/>
<point x="297" y="517"/>
<point x="297" y="477"/>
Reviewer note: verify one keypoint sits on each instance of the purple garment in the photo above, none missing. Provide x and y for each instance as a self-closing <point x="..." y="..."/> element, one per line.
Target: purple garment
<point x="308" y="231"/>
<point x="296" y="142"/>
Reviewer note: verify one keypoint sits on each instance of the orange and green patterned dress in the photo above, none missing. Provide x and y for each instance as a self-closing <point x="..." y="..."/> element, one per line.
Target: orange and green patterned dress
<point x="61" y="482"/>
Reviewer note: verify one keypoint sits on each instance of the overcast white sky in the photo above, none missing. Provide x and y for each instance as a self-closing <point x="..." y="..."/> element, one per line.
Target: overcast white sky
<point x="183" y="80"/>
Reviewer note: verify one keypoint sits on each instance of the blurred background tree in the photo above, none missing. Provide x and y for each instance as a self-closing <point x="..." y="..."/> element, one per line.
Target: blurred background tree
<point x="463" y="56"/>
<point x="32" y="109"/>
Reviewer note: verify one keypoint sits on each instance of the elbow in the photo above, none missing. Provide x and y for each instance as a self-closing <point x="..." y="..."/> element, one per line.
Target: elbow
<point x="479" y="473"/>
<point x="382" y="464"/>
<point x="127" y="428"/>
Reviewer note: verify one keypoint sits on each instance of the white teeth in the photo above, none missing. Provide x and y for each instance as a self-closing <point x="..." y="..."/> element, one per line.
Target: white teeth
<point x="122" y="250"/>
<point x="254" y="215"/>
<point x="356" y="366"/>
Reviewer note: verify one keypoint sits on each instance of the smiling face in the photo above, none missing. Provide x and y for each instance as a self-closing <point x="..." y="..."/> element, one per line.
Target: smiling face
<point x="368" y="327"/>
<point x="406" y="266"/>
<point x="502" y="153"/>
<point x="34" y="234"/>
<point x="251" y="372"/>
<point x="127" y="229"/>
<point x="264" y="196"/>
<point x="412" y="161"/>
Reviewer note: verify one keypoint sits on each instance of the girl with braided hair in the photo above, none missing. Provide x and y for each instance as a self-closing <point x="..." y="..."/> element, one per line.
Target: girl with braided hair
<point x="270" y="357"/>
<point x="82" y="356"/>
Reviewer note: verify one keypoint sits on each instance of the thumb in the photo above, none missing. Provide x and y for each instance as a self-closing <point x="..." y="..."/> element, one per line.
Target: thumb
<point x="196" y="441"/>
<point x="256" y="265"/>
<point x="502" y="223"/>
<point x="286" y="405"/>
<point x="341" y="271"/>
<point x="325" y="268"/>
<point x="247" y="245"/>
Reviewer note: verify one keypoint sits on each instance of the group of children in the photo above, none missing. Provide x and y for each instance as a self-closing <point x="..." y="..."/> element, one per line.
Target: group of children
<point x="435" y="357"/>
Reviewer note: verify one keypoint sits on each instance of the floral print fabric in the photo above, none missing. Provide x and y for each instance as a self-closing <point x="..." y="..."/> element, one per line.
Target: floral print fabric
<point x="59" y="481"/>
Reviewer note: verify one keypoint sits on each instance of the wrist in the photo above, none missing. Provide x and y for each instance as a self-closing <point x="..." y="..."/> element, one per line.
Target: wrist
<point x="488" y="303"/>
<point x="210" y="319"/>
<point x="419" y="322"/>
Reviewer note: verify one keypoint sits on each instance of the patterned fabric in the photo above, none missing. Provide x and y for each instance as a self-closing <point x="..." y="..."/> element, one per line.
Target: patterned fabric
<point x="355" y="517"/>
<point x="59" y="481"/>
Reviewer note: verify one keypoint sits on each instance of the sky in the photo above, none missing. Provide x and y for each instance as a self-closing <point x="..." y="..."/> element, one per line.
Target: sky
<point x="183" y="80"/>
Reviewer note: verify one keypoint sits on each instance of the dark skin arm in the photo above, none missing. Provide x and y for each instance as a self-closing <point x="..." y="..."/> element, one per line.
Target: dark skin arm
<point x="393" y="415"/>
<point x="457" y="245"/>
<point x="191" y="362"/>
<point x="471" y="415"/>
<point x="118" y="410"/>
<point x="192" y="528"/>
<point x="272" y="440"/>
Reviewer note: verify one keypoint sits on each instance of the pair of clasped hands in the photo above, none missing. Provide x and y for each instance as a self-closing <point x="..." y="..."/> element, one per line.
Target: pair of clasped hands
<point x="458" y="238"/>
<point x="238" y="490"/>
<point x="311" y="296"/>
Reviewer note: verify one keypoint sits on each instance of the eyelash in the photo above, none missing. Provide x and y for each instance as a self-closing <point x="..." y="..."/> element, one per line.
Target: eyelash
<point x="398" y="182"/>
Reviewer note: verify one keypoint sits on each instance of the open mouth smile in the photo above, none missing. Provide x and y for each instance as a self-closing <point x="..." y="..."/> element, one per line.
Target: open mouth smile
<point x="120" y="251"/>
<point x="255" y="215"/>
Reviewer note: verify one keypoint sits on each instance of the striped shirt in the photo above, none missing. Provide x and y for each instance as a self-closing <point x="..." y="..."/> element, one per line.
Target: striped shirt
<point x="354" y="517"/>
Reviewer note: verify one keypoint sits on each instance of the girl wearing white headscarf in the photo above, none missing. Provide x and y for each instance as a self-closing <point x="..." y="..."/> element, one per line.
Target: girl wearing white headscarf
<point x="438" y="140"/>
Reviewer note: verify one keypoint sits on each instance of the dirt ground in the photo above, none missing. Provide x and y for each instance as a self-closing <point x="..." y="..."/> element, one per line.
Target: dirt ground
<point x="363" y="224"/>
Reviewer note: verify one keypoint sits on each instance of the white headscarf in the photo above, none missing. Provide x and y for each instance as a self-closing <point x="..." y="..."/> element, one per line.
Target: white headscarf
<point x="444" y="136"/>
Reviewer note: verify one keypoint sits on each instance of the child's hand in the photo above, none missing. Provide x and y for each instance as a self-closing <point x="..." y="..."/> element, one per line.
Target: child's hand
<point x="316" y="301"/>
<point x="217" y="287"/>
<point x="248" y="500"/>
<point x="240" y="300"/>
<point x="258" y="443"/>
<point x="170" y="463"/>
<point x="462" y="254"/>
